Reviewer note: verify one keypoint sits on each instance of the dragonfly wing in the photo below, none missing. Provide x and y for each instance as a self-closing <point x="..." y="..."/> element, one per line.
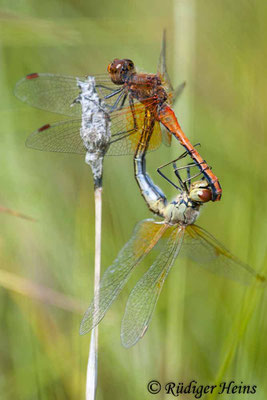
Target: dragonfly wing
<point x="177" y="92"/>
<point x="55" y="93"/>
<point x="162" y="67"/>
<point x="145" y="237"/>
<point x="144" y="296"/>
<point x="58" y="93"/>
<point x="203" y="248"/>
<point x="126" y="132"/>
<point x="173" y="94"/>
<point x="166" y="136"/>
<point x="63" y="137"/>
<point x="172" y="98"/>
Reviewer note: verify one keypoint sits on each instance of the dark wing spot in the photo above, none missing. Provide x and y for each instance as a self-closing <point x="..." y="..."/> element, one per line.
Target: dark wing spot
<point x="43" y="128"/>
<point x="32" y="76"/>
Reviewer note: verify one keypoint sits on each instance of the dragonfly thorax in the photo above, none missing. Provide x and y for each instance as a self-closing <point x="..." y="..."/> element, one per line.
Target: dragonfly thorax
<point x="182" y="210"/>
<point x="146" y="88"/>
<point x="185" y="208"/>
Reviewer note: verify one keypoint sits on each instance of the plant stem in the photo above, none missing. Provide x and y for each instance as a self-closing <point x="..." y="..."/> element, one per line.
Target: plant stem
<point x="91" y="379"/>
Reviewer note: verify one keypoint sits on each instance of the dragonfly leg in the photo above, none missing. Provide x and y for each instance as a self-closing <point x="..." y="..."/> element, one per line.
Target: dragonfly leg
<point x="188" y="175"/>
<point x="183" y="182"/>
<point x="108" y="96"/>
<point x="135" y="127"/>
<point x="115" y="105"/>
<point x="133" y="112"/>
<point x="178" y="175"/>
<point x="167" y="179"/>
<point x="183" y="155"/>
<point x="104" y="87"/>
<point x="123" y="101"/>
<point x="187" y="167"/>
<point x="125" y="133"/>
<point x="194" y="176"/>
<point x="129" y="131"/>
<point x="167" y="117"/>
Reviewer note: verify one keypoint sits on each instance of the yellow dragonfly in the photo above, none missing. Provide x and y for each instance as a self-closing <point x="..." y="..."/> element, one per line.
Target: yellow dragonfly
<point x="175" y="233"/>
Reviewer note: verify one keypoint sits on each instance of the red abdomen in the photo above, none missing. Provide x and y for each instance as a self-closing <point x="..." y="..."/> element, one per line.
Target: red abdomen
<point x="167" y="117"/>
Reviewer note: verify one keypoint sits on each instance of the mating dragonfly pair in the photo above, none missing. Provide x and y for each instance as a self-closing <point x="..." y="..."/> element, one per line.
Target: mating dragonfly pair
<point x="137" y="108"/>
<point x="131" y="101"/>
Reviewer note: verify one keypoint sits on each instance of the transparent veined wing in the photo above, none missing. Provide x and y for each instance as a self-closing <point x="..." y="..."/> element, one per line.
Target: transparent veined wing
<point x="165" y="79"/>
<point x="64" y="136"/>
<point x="172" y="97"/>
<point x="144" y="296"/>
<point x="162" y="67"/>
<point x="177" y="92"/>
<point x="145" y="237"/>
<point x="162" y="72"/>
<point x="126" y="143"/>
<point x="127" y="128"/>
<point x="50" y="92"/>
<point x="58" y="93"/>
<point x="173" y="94"/>
<point x="204" y="249"/>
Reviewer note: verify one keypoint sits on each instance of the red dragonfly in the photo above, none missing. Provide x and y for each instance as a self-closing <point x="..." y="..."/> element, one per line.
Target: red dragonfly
<point x="132" y="100"/>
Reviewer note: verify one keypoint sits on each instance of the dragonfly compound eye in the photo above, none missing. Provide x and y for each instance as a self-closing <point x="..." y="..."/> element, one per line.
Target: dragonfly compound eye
<point x="200" y="195"/>
<point x="129" y="65"/>
<point x="200" y="192"/>
<point x="120" y="70"/>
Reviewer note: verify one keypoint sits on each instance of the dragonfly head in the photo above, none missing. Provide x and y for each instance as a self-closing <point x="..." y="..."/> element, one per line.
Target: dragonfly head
<point x="120" y="70"/>
<point x="200" y="192"/>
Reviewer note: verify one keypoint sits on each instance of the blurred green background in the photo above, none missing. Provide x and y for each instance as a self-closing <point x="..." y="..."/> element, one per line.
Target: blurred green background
<point x="205" y="327"/>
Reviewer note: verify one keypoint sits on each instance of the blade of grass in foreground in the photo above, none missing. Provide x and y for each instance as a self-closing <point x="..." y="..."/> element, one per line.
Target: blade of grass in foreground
<point x="11" y="281"/>
<point x="15" y="213"/>
<point x="251" y="300"/>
